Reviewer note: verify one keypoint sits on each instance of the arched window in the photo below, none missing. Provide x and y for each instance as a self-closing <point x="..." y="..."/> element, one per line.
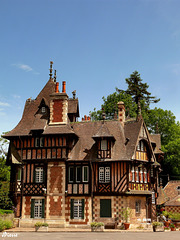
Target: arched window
<point x="141" y="175"/>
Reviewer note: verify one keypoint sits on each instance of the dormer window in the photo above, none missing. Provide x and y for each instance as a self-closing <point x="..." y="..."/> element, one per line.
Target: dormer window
<point x="43" y="110"/>
<point x="142" y="152"/>
<point x="103" y="144"/>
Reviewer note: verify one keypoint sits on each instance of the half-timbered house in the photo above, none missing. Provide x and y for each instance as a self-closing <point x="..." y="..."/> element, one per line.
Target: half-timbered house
<point x="66" y="172"/>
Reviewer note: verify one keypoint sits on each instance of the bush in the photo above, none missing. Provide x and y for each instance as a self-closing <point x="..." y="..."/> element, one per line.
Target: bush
<point x="5" y="224"/>
<point x="97" y="224"/>
<point x="157" y="224"/>
<point x="41" y="224"/>
<point x="3" y="211"/>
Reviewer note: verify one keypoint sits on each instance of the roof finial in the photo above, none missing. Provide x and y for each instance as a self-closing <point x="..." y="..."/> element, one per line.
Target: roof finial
<point x="103" y="115"/>
<point x="50" y="74"/>
<point x="54" y="75"/>
<point x="139" y="114"/>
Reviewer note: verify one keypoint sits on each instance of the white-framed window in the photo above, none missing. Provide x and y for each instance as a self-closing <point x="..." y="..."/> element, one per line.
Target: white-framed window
<point x="138" y="206"/>
<point x="77" y="209"/>
<point x="39" y="174"/>
<point x="145" y="175"/>
<point x="38" y="208"/>
<point x="85" y="171"/>
<point x="104" y="144"/>
<point x="104" y="174"/>
<point x="101" y="174"/>
<point x="153" y="198"/>
<point x="137" y="174"/>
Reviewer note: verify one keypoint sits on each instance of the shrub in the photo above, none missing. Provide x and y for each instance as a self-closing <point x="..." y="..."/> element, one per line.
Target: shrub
<point x="5" y="224"/>
<point x="3" y="211"/>
<point x="157" y="224"/>
<point x="172" y="225"/>
<point x="41" y="224"/>
<point x="97" y="224"/>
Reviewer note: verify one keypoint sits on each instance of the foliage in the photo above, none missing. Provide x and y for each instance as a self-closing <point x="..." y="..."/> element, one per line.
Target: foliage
<point x="126" y="214"/>
<point x="139" y="90"/>
<point x="157" y="224"/>
<point x="3" y="211"/>
<point x="96" y="224"/>
<point x="5" y="224"/>
<point x="172" y="225"/>
<point x="5" y="202"/>
<point x="41" y="224"/>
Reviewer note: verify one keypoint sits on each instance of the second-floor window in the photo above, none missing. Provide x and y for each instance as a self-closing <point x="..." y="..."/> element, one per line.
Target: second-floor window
<point x="77" y="174"/>
<point x="138" y="175"/>
<point x="39" y="172"/>
<point x="104" y="174"/>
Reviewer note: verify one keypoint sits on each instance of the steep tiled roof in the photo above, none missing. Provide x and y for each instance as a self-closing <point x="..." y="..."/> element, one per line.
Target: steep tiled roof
<point x="86" y="149"/>
<point x="174" y="202"/>
<point x="171" y="189"/>
<point x="32" y="120"/>
<point x="156" y="138"/>
<point x="132" y="129"/>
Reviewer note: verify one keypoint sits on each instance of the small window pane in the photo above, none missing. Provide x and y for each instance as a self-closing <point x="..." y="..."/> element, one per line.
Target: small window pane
<point x="19" y="174"/>
<point x="78" y="174"/>
<point x="101" y="174"/>
<point x="71" y="174"/>
<point x="77" y="208"/>
<point x="85" y="174"/>
<point x="138" y="206"/>
<point x="38" y="208"/>
<point x="103" y="144"/>
<point x="39" y="175"/>
<point x="107" y="174"/>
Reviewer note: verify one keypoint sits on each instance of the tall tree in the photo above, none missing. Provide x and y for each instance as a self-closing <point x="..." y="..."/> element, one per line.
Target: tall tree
<point x="139" y="90"/>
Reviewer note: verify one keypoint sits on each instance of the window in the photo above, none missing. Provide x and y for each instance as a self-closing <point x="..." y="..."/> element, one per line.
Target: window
<point x="137" y="174"/>
<point x="133" y="174"/>
<point x="39" y="174"/>
<point x="39" y="142"/>
<point x="141" y="175"/>
<point x="153" y="198"/>
<point x="37" y="208"/>
<point x="85" y="174"/>
<point x="103" y="144"/>
<point x="77" y="174"/>
<point x="71" y="174"/>
<point x="19" y="174"/>
<point x="77" y="208"/>
<point x="43" y="109"/>
<point x="138" y="206"/>
<point x="104" y="174"/>
<point x="105" y="208"/>
<point x="145" y="175"/>
<point x="178" y="189"/>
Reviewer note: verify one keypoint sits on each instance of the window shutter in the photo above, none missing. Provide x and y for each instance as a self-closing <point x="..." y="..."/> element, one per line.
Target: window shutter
<point x="82" y="209"/>
<point x="43" y="207"/>
<point x="72" y="208"/>
<point x="32" y="208"/>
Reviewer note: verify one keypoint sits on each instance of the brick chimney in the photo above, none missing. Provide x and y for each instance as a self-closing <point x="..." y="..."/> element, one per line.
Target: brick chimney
<point x="121" y="112"/>
<point x="59" y="105"/>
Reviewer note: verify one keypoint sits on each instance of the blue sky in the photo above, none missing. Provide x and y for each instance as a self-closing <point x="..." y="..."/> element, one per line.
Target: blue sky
<point x="94" y="44"/>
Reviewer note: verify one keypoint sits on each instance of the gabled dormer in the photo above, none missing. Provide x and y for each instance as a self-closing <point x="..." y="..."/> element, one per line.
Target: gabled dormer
<point x="104" y="140"/>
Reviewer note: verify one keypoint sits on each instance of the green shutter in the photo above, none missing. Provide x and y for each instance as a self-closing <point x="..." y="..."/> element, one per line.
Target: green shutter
<point x="82" y="209"/>
<point x="43" y="204"/>
<point x="72" y="208"/>
<point x="32" y="208"/>
<point x="105" y="207"/>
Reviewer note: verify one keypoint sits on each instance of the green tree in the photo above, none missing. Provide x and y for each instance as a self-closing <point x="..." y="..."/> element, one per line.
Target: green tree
<point x="139" y="90"/>
<point x="5" y="201"/>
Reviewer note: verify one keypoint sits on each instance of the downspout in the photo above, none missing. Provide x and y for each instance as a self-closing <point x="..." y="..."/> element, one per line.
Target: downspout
<point x="22" y="175"/>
